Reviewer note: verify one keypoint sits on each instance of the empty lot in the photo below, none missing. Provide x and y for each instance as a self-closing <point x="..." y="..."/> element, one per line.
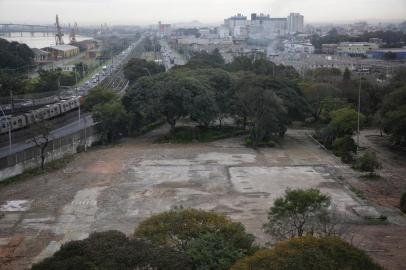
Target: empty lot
<point x="117" y="187"/>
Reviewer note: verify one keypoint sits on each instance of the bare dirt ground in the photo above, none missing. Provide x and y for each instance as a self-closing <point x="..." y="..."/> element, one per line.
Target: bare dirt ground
<point x="116" y="187"/>
<point x="387" y="189"/>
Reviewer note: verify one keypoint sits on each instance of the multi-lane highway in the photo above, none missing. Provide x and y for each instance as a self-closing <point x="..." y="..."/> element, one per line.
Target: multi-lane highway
<point x="170" y="57"/>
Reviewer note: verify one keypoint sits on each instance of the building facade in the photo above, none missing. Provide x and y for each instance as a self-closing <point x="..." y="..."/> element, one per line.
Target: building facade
<point x="295" y="23"/>
<point x="355" y="49"/>
<point x="62" y="51"/>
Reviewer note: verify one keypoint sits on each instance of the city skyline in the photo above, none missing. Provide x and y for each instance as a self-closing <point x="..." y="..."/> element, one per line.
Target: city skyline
<point x="143" y="12"/>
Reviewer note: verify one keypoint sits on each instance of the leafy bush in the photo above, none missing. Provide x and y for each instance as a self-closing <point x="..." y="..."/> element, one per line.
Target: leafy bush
<point x="308" y="253"/>
<point x="368" y="162"/>
<point x="265" y="143"/>
<point x="300" y="212"/>
<point x="344" y="147"/>
<point x="113" y="250"/>
<point x="403" y="202"/>
<point x="212" y="241"/>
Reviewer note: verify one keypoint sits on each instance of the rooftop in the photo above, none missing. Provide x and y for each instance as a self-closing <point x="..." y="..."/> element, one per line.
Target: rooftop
<point x="39" y="52"/>
<point x="64" y="47"/>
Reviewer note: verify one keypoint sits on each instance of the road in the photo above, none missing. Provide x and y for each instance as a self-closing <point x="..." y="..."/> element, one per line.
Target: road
<point x="168" y="54"/>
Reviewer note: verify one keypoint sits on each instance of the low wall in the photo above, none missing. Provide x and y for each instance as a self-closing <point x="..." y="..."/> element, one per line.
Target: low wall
<point x="30" y="158"/>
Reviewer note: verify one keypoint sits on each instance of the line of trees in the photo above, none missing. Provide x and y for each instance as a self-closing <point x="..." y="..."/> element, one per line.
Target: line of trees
<point x="262" y="97"/>
<point x="392" y="39"/>
<point x="253" y="97"/>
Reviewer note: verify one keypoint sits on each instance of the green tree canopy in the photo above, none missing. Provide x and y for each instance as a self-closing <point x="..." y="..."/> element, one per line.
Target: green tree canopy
<point x="113" y="250"/>
<point x="111" y="120"/>
<point x="344" y="121"/>
<point x="15" y="56"/>
<point x="308" y="253"/>
<point x="368" y="162"/>
<point x="136" y="68"/>
<point x="299" y="212"/>
<point x="99" y="95"/>
<point x="210" y="240"/>
<point x="204" y="59"/>
<point x="393" y="112"/>
<point x="263" y="109"/>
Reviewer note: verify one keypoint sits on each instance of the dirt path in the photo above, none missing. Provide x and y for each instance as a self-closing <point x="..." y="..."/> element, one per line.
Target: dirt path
<point x="386" y="190"/>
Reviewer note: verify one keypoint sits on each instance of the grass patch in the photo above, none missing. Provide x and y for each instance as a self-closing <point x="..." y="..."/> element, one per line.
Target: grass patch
<point x="371" y="177"/>
<point x="199" y="134"/>
<point x="49" y="167"/>
<point x="357" y="192"/>
<point x="269" y="143"/>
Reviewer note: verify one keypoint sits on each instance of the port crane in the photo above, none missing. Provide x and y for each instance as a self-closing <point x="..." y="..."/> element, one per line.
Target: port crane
<point x="58" y="34"/>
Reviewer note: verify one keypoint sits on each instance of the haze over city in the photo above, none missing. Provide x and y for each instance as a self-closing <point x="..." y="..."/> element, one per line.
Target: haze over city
<point x="212" y="11"/>
<point x="202" y="134"/>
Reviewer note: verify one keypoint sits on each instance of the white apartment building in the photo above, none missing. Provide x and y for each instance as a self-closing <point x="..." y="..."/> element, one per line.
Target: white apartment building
<point x="295" y="23"/>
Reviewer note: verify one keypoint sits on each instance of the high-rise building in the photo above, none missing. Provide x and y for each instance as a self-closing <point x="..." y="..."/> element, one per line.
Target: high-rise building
<point x="295" y="23"/>
<point x="238" y="26"/>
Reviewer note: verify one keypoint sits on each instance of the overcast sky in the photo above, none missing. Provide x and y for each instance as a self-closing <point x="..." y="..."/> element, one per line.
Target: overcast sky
<point x="207" y="11"/>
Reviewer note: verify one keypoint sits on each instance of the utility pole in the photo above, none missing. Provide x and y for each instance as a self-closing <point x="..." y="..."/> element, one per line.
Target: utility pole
<point x="76" y="82"/>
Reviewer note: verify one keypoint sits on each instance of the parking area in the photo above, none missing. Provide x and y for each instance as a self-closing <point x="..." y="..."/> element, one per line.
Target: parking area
<point x="117" y="187"/>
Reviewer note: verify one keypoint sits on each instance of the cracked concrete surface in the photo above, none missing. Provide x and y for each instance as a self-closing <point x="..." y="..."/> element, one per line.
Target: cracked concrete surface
<point x="117" y="187"/>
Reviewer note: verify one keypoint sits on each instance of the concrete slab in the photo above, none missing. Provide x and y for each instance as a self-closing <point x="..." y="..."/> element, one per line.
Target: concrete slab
<point x="16" y="206"/>
<point x="367" y="212"/>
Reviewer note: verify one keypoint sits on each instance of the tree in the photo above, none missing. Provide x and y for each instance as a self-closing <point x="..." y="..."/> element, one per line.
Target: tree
<point x="299" y="212"/>
<point x="68" y="78"/>
<point x="344" y="147"/>
<point x="203" y="108"/>
<point x="308" y="253"/>
<point x="210" y="240"/>
<point x="347" y="75"/>
<point x="136" y="68"/>
<point x="204" y="59"/>
<point x="111" y="120"/>
<point x="393" y="112"/>
<point x="403" y="202"/>
<point x="262" y="107"/>
<point x="15" y="84"/>
<point x="140" y="103"/>
<point x="174" y="97"/>
<point x="344" y="121"/>
<point x="113" y="250"/>
<point x="41" y="135"/>
<point x="81" y="68"/>
<point x="214" y="251"/>
<point x="99" y="95"/>
<point x="368" y="162"/>
<point x="48" y="80"/>
<point x="262" y="66"/>
<point x="220" y="84"/>
<point x="15" y="56"/>
<point x="317" y="95"/>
